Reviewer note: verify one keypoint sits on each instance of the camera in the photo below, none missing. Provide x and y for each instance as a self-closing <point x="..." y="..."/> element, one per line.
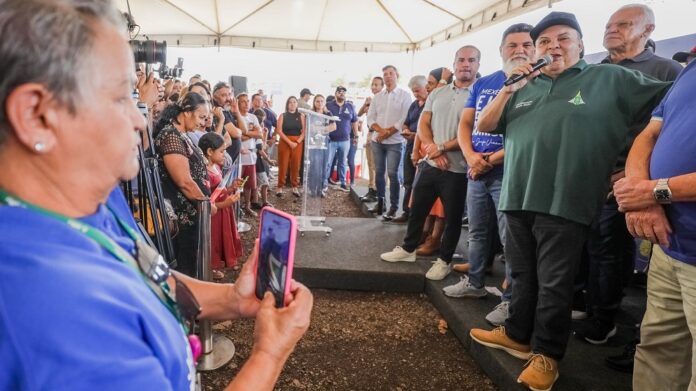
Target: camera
<point x="169" y="73"/>
<point x="149" y="52"/>
<point x="172" y="73"/>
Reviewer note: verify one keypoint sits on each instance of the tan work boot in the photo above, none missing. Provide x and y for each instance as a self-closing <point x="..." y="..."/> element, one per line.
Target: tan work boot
<point x="497" y="339"/>
<point x="540" y="373"/>
<point x="429" y="247"/>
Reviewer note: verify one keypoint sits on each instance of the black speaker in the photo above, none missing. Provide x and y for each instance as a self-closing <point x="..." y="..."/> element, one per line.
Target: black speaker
<point x="238" y="84"/>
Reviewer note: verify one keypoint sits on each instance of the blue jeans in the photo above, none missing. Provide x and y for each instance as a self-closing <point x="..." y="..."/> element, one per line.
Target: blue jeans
<point x="351" y="159"/>
<point x="340" y="150"/>
<point x="482" y="199"/>
<point x="387" y="160"/>
<point x="317" y="166"/>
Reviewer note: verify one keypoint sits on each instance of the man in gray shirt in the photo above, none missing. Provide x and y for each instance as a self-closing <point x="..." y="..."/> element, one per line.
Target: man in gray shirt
<point x="443" y="171"/>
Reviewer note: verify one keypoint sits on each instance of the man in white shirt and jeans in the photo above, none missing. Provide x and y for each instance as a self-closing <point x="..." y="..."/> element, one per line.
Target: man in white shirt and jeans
<point x="443" y="174"/>
<point x="248" y="152"/>
<point x="386" y="118"/>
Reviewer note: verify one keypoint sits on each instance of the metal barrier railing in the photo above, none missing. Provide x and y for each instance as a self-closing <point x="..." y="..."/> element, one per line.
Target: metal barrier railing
<point x="218" y="350"/>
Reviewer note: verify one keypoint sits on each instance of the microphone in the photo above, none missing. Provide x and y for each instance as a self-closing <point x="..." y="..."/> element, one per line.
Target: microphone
<point x="542" y="62"/>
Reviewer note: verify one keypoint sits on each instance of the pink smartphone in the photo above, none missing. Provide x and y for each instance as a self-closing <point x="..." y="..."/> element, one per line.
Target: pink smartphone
<point x="276" y="253"/>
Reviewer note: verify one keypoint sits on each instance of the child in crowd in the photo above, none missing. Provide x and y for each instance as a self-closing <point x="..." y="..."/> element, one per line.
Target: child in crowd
<point x="226" y="246"/>
<point x="263" y="165"/>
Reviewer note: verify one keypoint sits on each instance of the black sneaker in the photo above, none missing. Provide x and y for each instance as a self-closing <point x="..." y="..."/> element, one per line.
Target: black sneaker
<point x="595" y="331"/>
<point x="623" y="362"/>
<point x="344" y="189"/>
<point x="390" y="214"/>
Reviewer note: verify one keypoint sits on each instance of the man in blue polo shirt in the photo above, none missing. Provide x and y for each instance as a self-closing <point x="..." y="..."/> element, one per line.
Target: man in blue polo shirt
<point x="484" y="155"/>
<point x="339" y="139"/>
<point x="659" y="198"/>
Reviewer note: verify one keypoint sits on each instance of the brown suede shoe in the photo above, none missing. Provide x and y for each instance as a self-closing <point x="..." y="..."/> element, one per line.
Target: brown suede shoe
<point x="497" y="339"/>
<point x="540" y="373"/>
<point x="430" y="247"/>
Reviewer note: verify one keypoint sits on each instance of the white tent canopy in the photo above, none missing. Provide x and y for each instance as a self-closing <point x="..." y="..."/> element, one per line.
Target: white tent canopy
<point x="318" y="25"/>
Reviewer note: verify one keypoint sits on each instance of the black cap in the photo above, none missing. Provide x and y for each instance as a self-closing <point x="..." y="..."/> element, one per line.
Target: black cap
<point x="553" y="19"/>
<point x="683" y="56"/>
<point x="341" y="88"/>
<point x="305" y="91"/>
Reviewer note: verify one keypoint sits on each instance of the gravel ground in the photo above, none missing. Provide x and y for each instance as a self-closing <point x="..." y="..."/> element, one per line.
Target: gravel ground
<point x="360" y="340"/>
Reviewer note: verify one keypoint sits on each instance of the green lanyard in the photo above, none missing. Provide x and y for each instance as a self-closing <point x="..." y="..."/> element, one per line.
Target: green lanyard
<point x="162" y="291"/>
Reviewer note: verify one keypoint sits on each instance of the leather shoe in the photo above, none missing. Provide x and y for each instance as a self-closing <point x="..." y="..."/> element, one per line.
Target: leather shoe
<point x="402" y="219"/>
<point x="430" y="247"/>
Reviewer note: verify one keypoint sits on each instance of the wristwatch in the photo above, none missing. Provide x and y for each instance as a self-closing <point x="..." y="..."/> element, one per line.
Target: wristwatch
<point x="441" y="147"/>
<point x="662" y="193"/>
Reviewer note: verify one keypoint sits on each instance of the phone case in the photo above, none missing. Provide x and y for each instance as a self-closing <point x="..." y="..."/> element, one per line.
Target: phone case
<point x="291" y="246"/>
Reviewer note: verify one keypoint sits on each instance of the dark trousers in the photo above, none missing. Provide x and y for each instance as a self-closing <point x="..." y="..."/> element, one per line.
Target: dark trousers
<point x="409" y="175"/>
<point x="351" y="159"/>
<point x="186" y="249"/>
<point x="430" y="183"/>
<point x="543" y="252"/>
<point x="612" y="251"/>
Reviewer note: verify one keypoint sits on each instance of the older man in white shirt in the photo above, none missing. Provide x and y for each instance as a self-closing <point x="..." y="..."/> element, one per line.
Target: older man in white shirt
<point x="386" y="118"/>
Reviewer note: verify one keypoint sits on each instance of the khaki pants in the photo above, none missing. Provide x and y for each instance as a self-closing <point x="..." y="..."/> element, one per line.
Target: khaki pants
<point x="370" y="162"/>
<point x="665" y="356"/>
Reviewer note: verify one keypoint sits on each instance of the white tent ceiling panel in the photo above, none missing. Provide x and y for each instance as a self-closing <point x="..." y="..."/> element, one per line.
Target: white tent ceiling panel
<point x="203" y="11"/>
<point x="151" y="14"/>
<point x="232" y="12"/>
<point x="288" y="19"/>
<point x="419" y="18"/>
<point x="339" y="25"/>
<point x="372" y="25"/>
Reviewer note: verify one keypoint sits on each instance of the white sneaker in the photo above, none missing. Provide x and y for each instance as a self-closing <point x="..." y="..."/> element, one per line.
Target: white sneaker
<point x="464" y="289"/>
<point x="578" y="315"/>
<point x="499" y="314"/>
<point x="398" y="254"/>
<point x="438" y="271"/>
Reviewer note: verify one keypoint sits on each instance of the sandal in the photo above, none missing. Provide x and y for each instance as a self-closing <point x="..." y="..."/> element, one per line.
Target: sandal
<point x="295" y="192"/>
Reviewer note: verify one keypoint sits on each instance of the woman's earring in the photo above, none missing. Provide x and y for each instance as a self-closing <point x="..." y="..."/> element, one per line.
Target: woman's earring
<point x="39" y="147"/>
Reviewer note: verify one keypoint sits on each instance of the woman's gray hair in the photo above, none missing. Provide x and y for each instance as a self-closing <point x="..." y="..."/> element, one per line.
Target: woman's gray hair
<point x="417" y="81"/>
<point x="49" y="42"/>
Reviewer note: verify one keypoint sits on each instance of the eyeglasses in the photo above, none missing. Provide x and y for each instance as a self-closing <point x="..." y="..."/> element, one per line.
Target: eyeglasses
<point x="155" y="268"/>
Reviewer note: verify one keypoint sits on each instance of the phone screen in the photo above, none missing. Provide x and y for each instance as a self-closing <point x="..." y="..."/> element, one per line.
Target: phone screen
<point x="276" y="252"/>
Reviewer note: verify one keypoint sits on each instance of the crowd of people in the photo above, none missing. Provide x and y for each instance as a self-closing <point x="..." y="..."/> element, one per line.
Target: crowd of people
<point x="558" y="172"/>
<point x="543" y="164"/>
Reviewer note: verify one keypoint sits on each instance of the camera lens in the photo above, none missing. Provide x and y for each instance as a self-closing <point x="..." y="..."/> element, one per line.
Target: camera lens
<point x="149" y="52"/>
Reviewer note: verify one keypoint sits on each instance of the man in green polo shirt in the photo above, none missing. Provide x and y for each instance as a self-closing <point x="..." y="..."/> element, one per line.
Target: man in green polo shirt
<point x="564" y="128"/>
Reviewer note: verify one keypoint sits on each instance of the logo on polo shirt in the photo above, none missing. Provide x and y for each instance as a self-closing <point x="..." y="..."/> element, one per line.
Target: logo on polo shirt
<point x="577" y="100"/>
<point x="524" y="104"/>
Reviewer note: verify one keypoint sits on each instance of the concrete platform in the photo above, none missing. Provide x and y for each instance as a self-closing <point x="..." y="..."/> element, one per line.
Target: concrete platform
<point x="349" y="260"/>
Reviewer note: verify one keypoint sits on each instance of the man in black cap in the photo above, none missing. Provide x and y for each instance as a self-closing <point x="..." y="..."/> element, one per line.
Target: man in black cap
<point x="305" y="96"/>
<point x="565" y="127"/>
